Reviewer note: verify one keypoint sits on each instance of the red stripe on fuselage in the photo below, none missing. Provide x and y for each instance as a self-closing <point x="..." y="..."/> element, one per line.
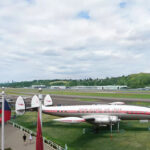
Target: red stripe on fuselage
<point x="93" y="111"/>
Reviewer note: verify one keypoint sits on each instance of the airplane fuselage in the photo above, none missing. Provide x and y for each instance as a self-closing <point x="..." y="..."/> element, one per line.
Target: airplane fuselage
<point x="124" y="112"/>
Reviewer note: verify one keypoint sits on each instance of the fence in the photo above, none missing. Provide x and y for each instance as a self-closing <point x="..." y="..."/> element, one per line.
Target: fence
<point x="50" y="144"/>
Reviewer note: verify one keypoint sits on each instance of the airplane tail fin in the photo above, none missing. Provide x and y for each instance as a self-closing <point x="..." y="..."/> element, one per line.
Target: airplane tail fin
<point x="20" y="106"/>
<point x="48" y="100"/>
<point x="35" y="103"/>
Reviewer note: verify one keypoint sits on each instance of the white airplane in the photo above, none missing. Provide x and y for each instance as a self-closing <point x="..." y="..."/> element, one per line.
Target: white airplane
<point x="100" y="115"/>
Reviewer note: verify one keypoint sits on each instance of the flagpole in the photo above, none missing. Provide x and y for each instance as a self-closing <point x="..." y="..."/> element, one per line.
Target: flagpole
<point x="40" y="108"/>
<point x="2" y="136"/>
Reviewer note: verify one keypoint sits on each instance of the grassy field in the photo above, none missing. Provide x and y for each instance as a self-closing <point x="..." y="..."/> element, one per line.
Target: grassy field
<point x="139" y="103"/>
<point x="114" y="95"/>
<point x="133" y="135"/>
<point x="79" y="93"/>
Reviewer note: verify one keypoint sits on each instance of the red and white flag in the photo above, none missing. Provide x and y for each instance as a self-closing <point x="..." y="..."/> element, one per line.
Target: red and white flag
<point x="39" y="138"/>
<point x="7" y="112"/>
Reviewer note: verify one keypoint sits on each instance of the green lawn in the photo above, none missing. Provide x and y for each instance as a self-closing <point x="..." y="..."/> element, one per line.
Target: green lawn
<point x="133" y="135"/>
<point x="114" y="95"/>
<point x="139" y="103"/>
<point x="22" y="91"/>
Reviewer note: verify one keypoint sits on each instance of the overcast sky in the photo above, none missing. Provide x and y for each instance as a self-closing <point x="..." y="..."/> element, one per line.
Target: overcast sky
<point x="49" y="39"/>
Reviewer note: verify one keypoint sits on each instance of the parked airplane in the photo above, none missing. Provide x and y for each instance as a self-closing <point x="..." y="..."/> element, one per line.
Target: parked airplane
<point x="101" y="114"/>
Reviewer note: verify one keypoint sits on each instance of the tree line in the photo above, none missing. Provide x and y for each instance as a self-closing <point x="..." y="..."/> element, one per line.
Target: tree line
<point x="140" y="80"/>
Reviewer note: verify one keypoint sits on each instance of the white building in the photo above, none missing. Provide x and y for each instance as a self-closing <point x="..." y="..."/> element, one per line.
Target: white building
<point x="38" y="86"/>
<point x="106" y="87"/>
<point x="58" y="87"/>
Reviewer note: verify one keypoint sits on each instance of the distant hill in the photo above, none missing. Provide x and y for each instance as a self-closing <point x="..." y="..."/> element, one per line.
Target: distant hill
<point x="55" y="83"/>
<point x="139" y="80"/>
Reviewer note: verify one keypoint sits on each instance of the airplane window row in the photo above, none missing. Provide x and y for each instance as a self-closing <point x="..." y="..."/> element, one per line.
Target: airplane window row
<point x="88" y="111"/>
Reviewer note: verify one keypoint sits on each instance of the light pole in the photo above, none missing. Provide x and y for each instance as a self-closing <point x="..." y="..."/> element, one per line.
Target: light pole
<point x="40" y="108"/>
<point x="2" y="136"/>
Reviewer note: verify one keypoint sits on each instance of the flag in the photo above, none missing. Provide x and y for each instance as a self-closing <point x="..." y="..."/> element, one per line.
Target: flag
<point x="7" y="112"/>
<point x="39" y="138"/>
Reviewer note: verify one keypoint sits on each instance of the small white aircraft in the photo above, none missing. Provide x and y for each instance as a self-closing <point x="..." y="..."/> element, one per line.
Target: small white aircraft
<point x="100" y="115"/>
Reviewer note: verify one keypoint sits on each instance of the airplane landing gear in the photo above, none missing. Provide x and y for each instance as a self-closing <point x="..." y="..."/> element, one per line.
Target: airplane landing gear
<point x="96" y="129"/>
<point x="111" y="130"/>
<point x="118" y="126"/>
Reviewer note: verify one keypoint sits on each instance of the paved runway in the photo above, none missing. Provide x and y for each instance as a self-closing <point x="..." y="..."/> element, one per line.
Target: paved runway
<point x="79" y="100"/>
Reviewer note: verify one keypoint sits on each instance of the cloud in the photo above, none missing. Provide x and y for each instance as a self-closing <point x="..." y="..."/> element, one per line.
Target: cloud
<point x="73" y="39"/>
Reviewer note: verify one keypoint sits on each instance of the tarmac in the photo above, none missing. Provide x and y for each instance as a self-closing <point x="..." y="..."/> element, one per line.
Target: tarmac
<point x="76" y="99"/>
<point x="14" y="140"/>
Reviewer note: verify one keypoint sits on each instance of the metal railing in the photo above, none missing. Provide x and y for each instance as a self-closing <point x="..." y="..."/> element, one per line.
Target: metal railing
<point x="50" y="144"/>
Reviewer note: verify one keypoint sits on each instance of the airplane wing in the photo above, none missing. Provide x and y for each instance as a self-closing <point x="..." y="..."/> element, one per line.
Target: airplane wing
<point x="94" y="119"/>
<point x="70" y="120"/>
